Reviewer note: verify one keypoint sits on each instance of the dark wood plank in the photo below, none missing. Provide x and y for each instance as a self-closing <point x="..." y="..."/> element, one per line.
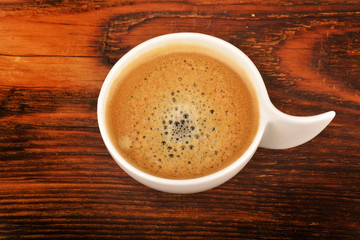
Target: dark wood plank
<point x="57" y="179"/>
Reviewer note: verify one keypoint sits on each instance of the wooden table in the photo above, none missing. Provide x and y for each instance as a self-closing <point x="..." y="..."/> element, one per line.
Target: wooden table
<point x="57" y="179"/>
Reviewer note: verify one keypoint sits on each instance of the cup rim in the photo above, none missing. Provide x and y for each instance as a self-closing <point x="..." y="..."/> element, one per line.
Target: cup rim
<point x="236" y="166"/>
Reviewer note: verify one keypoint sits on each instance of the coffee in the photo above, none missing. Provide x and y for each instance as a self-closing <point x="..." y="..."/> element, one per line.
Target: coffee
<point x="181" y="114"/>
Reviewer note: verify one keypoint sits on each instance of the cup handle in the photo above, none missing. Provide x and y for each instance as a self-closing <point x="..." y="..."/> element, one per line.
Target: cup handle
<point x="285" y="131"/>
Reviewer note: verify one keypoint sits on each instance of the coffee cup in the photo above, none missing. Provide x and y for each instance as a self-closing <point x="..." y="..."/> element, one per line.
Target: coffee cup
<point x="273" y="129"/>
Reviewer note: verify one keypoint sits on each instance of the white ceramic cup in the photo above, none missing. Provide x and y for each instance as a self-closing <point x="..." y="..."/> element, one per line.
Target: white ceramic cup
<point x="276" y="130"/>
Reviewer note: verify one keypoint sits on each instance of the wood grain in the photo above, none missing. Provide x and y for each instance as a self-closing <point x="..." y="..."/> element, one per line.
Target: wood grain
<point x="57" y="179"/>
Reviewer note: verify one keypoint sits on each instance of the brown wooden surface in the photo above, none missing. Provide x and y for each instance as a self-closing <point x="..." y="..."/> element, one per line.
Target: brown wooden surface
<point x="57" y="179"/>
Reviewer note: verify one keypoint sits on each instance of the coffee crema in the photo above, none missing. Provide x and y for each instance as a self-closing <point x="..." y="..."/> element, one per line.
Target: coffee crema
<point x="181" y="114"/>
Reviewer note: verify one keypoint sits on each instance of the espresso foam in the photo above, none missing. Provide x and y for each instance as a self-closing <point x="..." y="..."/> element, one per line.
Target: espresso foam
<point x="182" y="115"/>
